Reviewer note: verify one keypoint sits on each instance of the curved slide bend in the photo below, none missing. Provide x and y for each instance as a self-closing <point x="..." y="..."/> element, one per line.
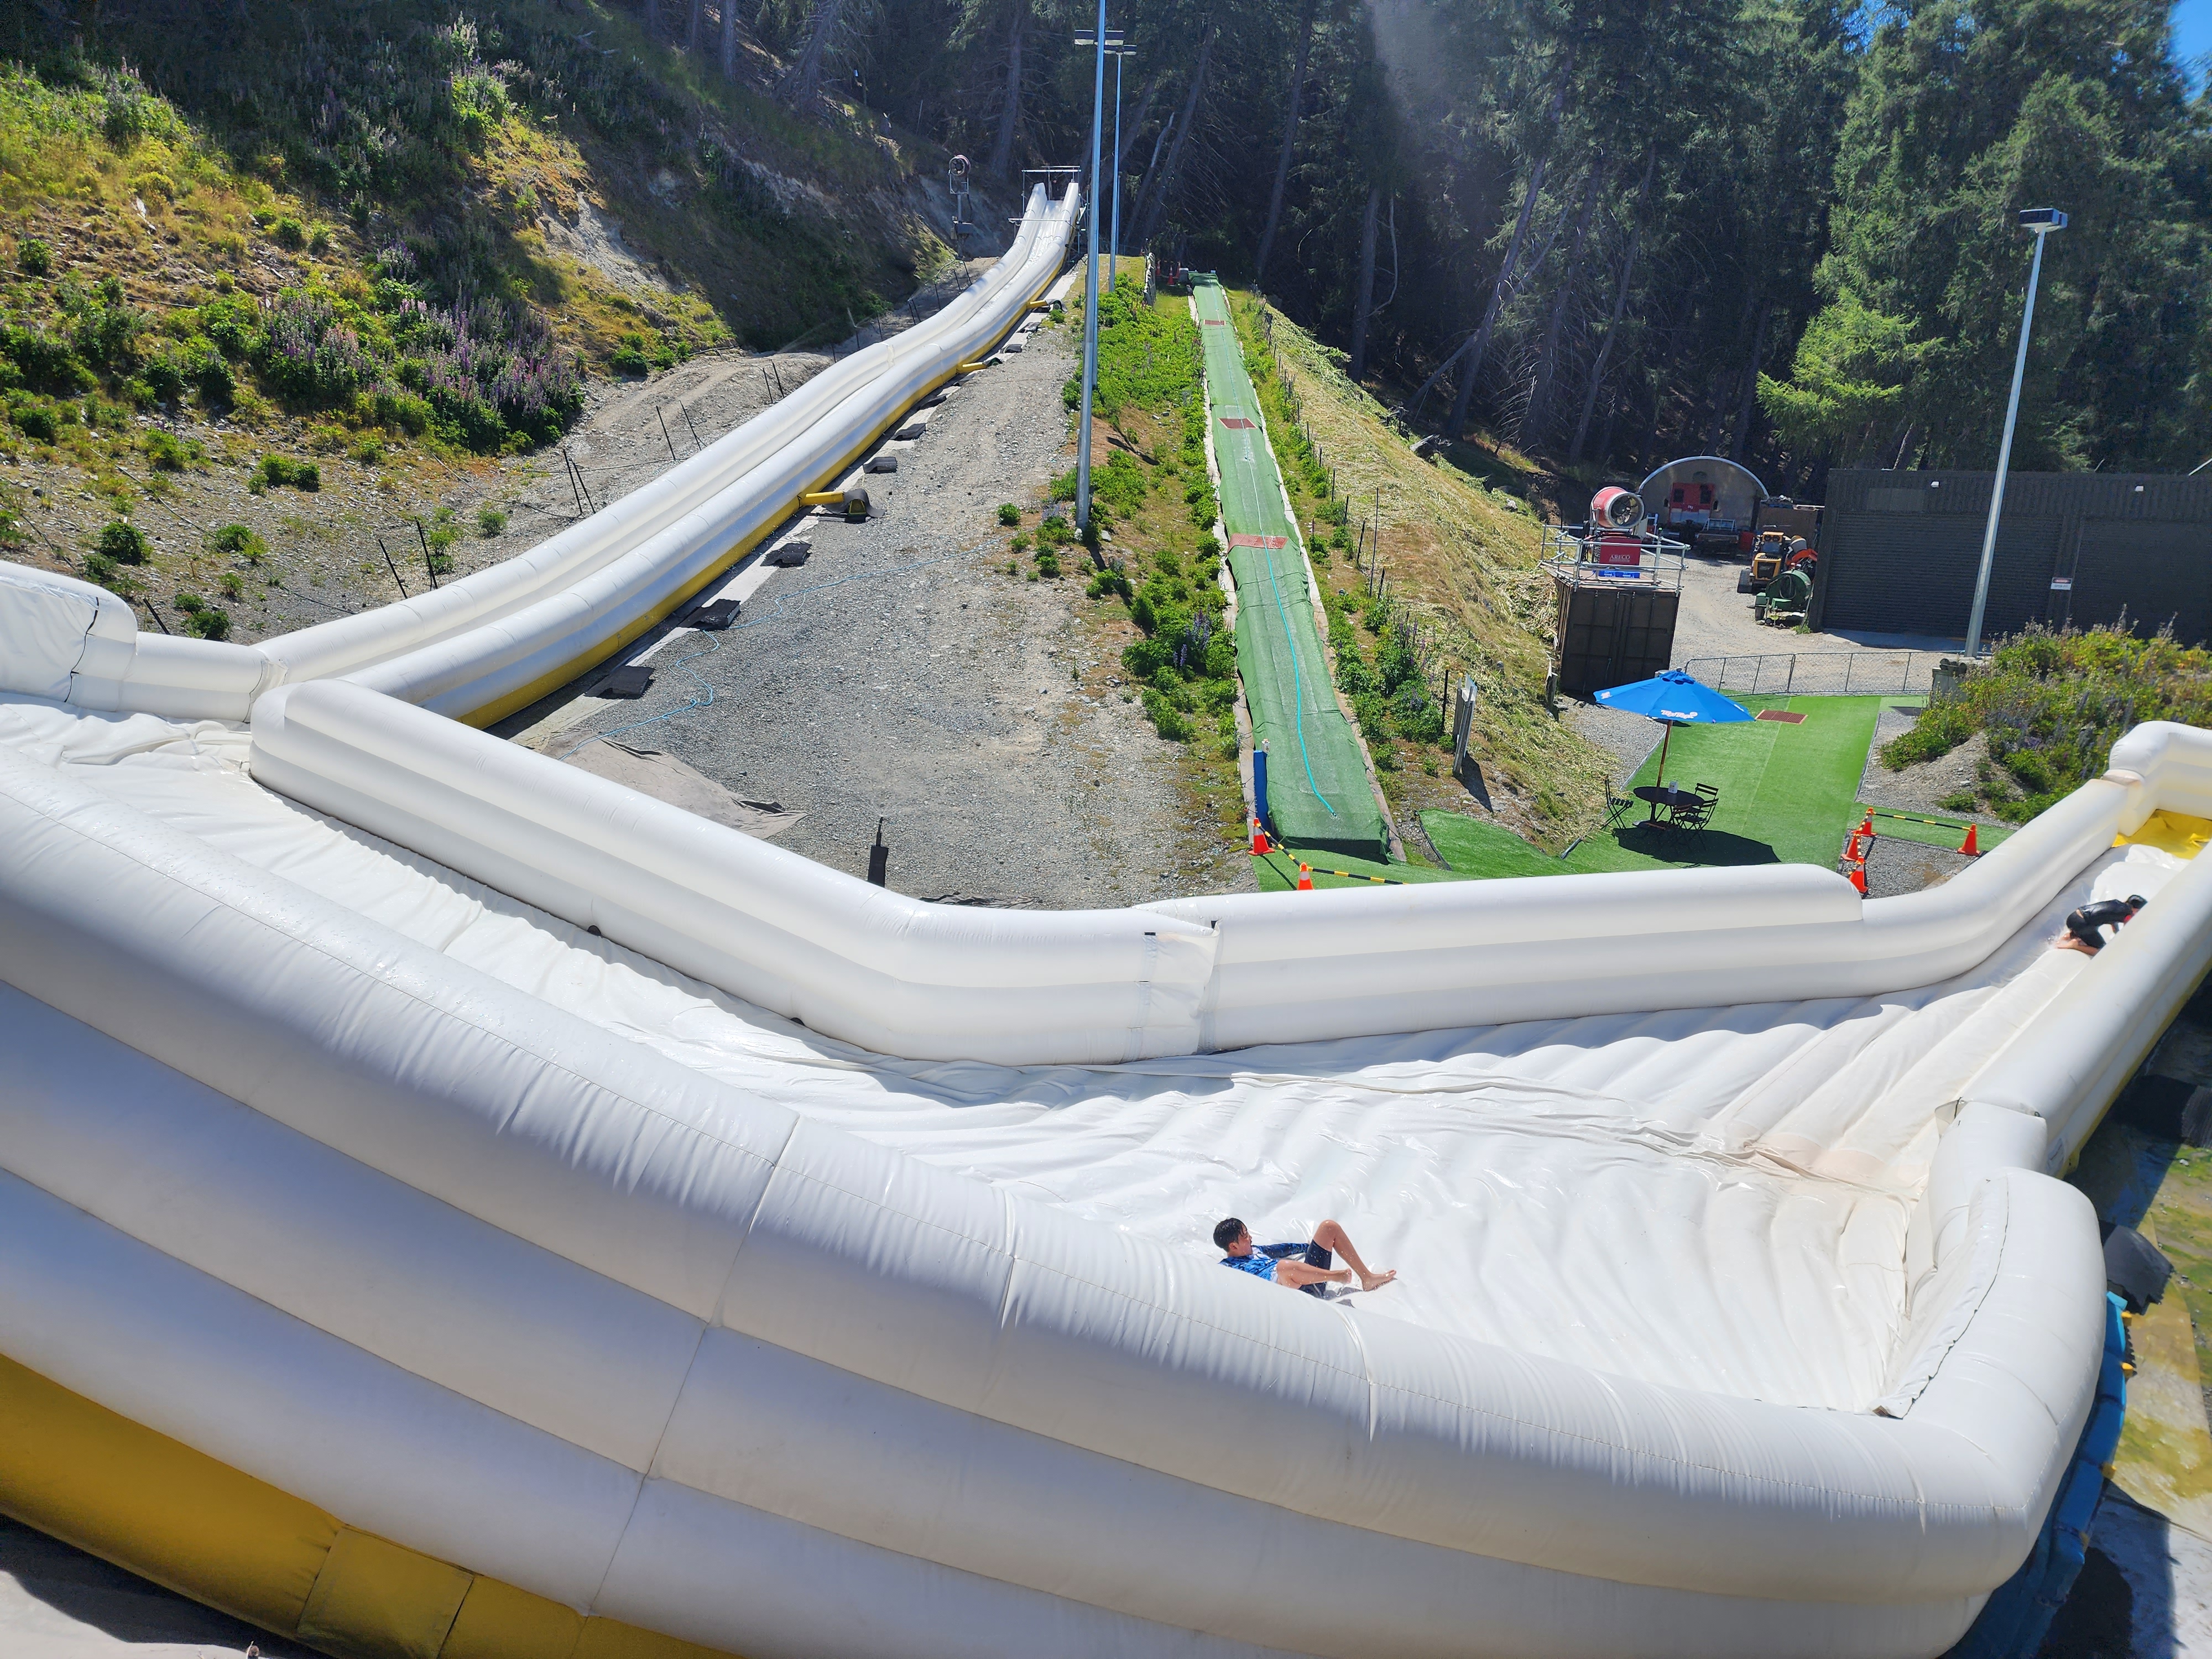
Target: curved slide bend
<point x="494" y="641"/>
<point x="504" y="1321"/>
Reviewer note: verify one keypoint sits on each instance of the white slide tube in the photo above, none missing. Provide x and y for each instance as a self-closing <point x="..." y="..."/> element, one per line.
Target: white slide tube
<point x="919" y="1279"/>
<point x="1182" y="977"/>
<point x="854" y="960"/>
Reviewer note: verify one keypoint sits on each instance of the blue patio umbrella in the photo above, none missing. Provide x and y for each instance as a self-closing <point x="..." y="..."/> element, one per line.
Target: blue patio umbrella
<point x="1674" y="698"/>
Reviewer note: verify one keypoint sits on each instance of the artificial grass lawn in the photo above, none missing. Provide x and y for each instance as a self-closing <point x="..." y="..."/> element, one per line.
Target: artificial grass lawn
<point x="1277" y="872"/>
<point x="1788" y="794"/>
<point x="1476" y="847"/>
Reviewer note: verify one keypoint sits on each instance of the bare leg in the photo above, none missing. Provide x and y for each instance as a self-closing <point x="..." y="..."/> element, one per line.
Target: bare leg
<point x="1330" y="1237"/>
<point x="1300" y="1274"/>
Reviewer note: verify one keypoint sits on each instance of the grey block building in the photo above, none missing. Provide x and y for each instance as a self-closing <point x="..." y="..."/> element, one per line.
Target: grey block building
<point x="1899" y="551"/>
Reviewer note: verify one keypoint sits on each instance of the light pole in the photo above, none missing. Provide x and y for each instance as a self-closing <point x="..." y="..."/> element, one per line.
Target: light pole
<point x="1114" y="258"/>
<point x="2040" y="221"/>
<point x="1101" y="40"/>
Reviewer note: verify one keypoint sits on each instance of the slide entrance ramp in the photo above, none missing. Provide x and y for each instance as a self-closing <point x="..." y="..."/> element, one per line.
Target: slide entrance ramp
<point x="1318" y="794"/>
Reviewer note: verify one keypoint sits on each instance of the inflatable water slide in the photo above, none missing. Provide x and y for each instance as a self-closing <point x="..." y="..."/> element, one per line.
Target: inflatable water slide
<point x="453" y="1206"/>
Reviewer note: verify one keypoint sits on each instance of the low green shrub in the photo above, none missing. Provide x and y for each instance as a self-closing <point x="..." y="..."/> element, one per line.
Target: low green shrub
<point x="122" y="541"/>
<point x="1009" y="514"/>
<point x="283" y="470"/>
<point x="237" y="541"/>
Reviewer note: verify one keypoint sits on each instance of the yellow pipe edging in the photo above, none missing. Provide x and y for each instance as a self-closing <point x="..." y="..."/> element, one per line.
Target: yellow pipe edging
<point x="492" y="713"/>
<point x="156" y="1507"/>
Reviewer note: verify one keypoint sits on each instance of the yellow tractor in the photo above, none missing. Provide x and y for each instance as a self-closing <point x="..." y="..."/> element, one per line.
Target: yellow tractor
<point x="1776" y="550"/>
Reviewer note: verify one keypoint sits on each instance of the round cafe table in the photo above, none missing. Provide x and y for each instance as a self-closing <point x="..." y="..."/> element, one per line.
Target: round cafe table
<point x="1663" y="795"/>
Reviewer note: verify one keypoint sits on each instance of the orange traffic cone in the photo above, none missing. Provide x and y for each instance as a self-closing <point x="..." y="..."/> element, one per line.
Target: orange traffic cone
<point x="1259" y="839"/>
<point x="1867" y="829"/>
<point x="1858" y="878"/>
<point x="1851" y="853"/>
<point x="1971" y="848"/>
<point x="1305" y="878"/>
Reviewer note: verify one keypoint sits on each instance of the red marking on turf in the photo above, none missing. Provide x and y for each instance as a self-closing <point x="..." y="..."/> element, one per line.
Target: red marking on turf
<point x="1784" y="717"/>
<point x="1236" y="422"/>
<point x="1214" y="322"/>
<point x="1274" y="541"/>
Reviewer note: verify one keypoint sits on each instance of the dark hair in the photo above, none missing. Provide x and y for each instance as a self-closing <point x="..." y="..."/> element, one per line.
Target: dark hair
<point x="1225" y="1234"/>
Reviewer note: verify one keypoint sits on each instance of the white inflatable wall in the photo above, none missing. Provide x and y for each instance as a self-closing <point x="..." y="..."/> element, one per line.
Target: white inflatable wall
<point x="408" y="1242"/>
<point x="707" y="1275"/>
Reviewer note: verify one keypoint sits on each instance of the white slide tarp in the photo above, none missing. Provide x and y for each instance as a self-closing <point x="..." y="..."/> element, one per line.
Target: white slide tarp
<point x="678" y="1248"/>
<point x="561" y="1187"/>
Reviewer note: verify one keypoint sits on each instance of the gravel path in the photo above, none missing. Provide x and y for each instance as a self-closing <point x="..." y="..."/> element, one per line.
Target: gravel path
<point x="901" y="674"/>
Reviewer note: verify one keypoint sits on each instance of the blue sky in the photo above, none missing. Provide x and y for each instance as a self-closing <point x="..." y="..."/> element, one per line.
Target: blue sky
<point x="2192" y="28"/>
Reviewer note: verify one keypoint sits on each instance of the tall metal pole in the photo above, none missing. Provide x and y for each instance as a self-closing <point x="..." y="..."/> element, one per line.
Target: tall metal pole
<point x="1114" y="258"/>
<point x="2046" y="221"/>
<point x="1091" y="287"/>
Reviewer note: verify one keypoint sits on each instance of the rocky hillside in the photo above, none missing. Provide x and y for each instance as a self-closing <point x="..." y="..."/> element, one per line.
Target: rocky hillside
<point x="277" y="278"/>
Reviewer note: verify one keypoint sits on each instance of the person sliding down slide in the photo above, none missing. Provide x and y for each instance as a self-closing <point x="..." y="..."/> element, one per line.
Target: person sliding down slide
<point x="2083" y="927"/>
<point x="1311" y="1273"/>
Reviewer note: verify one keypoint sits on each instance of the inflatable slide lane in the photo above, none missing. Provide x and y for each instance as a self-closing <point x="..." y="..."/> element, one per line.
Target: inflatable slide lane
<point x="453" y="1206"/>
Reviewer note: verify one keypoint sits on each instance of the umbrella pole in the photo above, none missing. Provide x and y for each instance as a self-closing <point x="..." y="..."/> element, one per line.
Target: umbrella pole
<point x="1661" y="780"/>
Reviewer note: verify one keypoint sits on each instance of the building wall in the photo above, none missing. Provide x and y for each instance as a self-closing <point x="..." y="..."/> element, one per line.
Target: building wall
<point x="1899" y="552"/>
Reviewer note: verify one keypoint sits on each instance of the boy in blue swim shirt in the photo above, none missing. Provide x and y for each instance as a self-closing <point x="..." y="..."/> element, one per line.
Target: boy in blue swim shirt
<point x="1313" y="1269"/>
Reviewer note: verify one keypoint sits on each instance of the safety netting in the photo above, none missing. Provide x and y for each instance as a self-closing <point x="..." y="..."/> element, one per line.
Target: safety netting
<point x="1318" y="794"/>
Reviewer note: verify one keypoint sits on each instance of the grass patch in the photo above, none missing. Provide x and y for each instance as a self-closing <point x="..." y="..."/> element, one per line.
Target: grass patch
<point x="1788" y="794"/>
<point x="1484" y="850"/>
<point x="1277" y="872"/>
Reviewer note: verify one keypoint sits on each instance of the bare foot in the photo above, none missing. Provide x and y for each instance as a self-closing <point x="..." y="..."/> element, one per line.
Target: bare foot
<point x="1376" y="1281"/>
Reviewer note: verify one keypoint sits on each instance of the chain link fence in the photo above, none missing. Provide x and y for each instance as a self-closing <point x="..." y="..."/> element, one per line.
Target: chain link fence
<point x="1820" y="673"/>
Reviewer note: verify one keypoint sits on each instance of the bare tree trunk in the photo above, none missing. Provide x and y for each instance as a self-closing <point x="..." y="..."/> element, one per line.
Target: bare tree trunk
<point x="729" y="40"/>
<point x="693" y="23"/>
<point x="1002" y="151"/>
<point x="1157" y="209"/>
<point x="1135" y="124"/>
<point x="653" y="20"/>
<point x="1742" y="434"/>
<point x="1478" y="348"/>
<point x="1366" y="301"/>
<point x="1537" y="415"/>
<point x="805" y="77"/>
<point x="1619" y="307"/>
<point x="1292" y="106"/>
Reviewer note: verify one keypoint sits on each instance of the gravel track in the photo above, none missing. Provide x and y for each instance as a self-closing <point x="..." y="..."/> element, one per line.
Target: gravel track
<point x="902" y="674"/>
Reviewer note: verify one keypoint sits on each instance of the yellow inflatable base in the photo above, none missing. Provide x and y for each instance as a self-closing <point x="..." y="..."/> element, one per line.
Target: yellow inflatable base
<point x="148" y="1503"/>
<point x="2171" y="832"/>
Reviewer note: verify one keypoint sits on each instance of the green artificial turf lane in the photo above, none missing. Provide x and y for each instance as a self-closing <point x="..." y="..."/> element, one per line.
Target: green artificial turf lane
<point x="1788" y="794"/>
<point x="1318" y="796"/>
